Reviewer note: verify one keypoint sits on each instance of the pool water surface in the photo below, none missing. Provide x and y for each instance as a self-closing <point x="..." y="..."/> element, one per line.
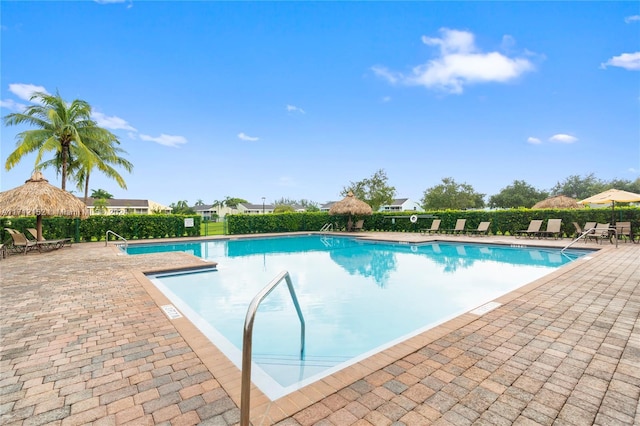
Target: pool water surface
<point x="357" y="297"/>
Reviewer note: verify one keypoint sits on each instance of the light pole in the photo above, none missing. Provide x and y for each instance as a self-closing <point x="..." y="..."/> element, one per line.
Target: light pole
<point x="262" y="205"/>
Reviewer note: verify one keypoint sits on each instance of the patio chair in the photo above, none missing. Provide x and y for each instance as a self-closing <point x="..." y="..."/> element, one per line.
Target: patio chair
<point x="20" y="243"/>
<point x="435" y="228"/>
<point x="358" y="225"/>
<point x="553" y="229"/>
<point x="483" y="229"/>
<point x="601" y="232"/>
<point x="532" y="231"/>
<point x="623" y="231"/>
<point x="459" y="229"/>
<point x="53" y="244"/>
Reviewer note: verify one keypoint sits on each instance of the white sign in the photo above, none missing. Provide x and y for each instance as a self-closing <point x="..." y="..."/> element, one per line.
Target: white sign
<point x="188" y="222"/>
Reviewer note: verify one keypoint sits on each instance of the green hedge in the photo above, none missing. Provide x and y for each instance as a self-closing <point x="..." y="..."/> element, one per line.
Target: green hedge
<point x="504" y="222"/>
<point x="94" y="228"/>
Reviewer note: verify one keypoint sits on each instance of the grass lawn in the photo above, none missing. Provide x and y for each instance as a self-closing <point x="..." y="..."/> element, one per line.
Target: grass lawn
<point x="211" y="228"/>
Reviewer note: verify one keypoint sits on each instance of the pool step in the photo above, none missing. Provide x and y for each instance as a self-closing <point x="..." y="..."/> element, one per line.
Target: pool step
<point x="282" y="359"/>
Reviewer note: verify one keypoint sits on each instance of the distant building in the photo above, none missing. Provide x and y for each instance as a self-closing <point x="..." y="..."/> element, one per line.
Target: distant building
<point x="326" y="206"/>
<point x="213" y="212"/>
<point x="248" y="208"/>
<point x="114" y="206"/>
<point x="401" y="205"/>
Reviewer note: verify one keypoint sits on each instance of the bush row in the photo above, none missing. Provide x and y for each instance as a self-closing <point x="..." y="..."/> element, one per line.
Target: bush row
<point x="94" y="228"/>
<point x="504" y="222"/>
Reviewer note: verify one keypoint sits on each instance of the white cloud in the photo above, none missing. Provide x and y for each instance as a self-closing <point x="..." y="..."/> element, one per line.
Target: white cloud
<point x="628" y="61"/>
<point x="25" y="91"/>
<point x="533" y="140"/>
<point x="113" y="122"/>
<point x="390" y="76"/>
<point x="386" y="99"/>
<point x="460" y="63"/>
<point x="166" y="140"/>
<point x="563" y="138"/>
<point x="632" y="18"/>
<point x="12" y="105"/>
<point x="293" y="108"/>
<point x="244" y="137"/>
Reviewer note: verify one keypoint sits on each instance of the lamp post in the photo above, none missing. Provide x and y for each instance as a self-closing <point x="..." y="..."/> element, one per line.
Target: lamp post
<point x="262" y="205"/>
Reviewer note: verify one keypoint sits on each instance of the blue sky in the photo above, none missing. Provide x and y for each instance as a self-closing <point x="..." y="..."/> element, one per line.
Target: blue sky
<point x="297" y="99"/>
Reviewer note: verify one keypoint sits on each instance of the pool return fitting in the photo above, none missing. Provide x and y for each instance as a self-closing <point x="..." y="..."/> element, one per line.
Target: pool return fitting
<point x="247" y="340"/>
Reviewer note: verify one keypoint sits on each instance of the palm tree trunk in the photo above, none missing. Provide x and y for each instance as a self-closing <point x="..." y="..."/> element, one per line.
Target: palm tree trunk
<point x="86" y="187"/>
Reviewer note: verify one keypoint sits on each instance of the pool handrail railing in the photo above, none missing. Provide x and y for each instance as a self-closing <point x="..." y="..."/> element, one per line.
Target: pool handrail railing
<point x="247" y="340"/>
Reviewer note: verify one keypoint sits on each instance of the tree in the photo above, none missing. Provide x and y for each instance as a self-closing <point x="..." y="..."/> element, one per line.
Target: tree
<point x="181" y="207"/>
<point x="100" y="206"/>
<point x="283" y="208"/>
<point x="100" y="193"/>
<point x="580" y="188"/>
<point x="199" y="202"/>
<point x="452" y="195"/>
<point x="374" y="190"/>
<point x="66" y="129"/>
<point x="105" y="155"/>
<point x="233" y="202"/>
<point x="518" y="194"/>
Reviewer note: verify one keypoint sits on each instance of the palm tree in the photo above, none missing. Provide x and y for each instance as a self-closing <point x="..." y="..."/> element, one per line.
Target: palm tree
<point x="103" y="156"/>
<point x="64" y="128"/>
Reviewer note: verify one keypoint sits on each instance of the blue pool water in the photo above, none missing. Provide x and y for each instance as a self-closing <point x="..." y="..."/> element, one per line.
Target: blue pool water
<point x="357" y="297"/>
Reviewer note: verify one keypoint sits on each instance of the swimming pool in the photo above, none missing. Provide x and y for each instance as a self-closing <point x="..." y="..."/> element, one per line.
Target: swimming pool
<point x="358" y="297"/>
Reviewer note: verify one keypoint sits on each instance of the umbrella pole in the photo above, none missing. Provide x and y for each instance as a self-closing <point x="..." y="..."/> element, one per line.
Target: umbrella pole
<point x="39" y="227"/>
<point x="613" y="212"/>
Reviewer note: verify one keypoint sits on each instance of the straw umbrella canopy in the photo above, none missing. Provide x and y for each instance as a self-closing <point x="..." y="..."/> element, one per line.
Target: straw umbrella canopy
<point x="558" y="202"/>
<point x="351" y="206"/>
<point x="37" y="197"/>
<point x="612" y="196"/>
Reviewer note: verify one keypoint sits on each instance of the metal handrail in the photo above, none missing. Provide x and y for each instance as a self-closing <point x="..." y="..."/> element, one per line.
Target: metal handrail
<point x="327" y="227"/>
<point x="587" y="232"/>
<point x="247" y="340"/>
<point x="106" y="238"/>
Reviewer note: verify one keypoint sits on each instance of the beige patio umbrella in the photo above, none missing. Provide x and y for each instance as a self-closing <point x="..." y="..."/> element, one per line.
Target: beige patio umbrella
<point x="37" y="197"/>
<point x="351" y="206"/>
<point x="612" y="196"/>
<point x="558" y="202"/>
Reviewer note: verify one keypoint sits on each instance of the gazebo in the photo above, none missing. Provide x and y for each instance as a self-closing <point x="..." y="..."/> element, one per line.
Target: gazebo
<point x="37" y="197"/>
<point x="350" y="206"/>
<point x="558" y="202"/>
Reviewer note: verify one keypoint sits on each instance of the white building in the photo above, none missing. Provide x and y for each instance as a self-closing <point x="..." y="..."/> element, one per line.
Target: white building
<point x="114" y="206"/>
<point x="401" y="205"/>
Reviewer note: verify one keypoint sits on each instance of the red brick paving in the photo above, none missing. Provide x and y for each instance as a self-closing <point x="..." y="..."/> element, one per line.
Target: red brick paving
<point x="83" y="341"/>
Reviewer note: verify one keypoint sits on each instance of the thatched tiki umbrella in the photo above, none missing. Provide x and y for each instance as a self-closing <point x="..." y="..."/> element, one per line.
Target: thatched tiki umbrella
<point x="351" y="206"/>
<point x="39" y="198"/>
<point x="558" y="202"/>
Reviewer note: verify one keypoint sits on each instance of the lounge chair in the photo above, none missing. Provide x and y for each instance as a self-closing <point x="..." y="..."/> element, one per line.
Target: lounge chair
<point x="20" y="243"/>
<point x="483" y="229"/>
<point x="532" y="231"/>
<point x="601" y="232"/>
<point x="358" y="225"/>
<point x="553" y="229"/>
<point x="52" y="244"/>
<point x="459" y="229"/>
<point x="623" y="231"/>
<point x="435" y="228"/>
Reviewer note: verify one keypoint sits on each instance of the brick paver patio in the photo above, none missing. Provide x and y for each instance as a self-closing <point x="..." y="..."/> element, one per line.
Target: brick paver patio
<point x="84" y="341"/>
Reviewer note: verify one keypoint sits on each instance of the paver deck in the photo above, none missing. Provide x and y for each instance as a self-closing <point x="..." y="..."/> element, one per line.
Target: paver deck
<point x="84" y="341"/>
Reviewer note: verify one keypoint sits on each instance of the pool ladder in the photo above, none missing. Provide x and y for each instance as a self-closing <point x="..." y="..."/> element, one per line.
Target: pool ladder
<point x="583" y="235"/>
<point x="247" y="340"/>
<point x="106" y="238"/>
